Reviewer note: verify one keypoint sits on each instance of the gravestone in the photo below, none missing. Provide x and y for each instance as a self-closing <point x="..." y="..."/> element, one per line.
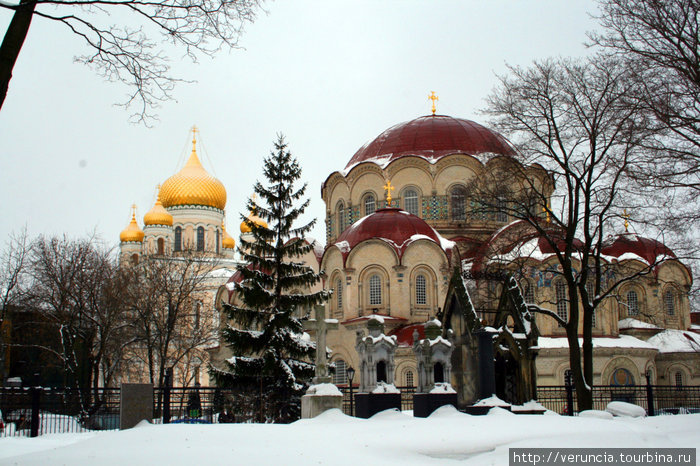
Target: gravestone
<point x="136" y="404"/>
<point x="433" y="358"/>
<point x="322" y="395"/>
<point x="376" y="353"/>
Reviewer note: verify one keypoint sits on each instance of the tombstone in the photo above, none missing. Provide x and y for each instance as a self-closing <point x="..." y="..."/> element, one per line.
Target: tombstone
<point x="322" y="395"/>
<point x="376" y="353"/>
<point x="433" y="359"/>
<point x="136" y="404"/>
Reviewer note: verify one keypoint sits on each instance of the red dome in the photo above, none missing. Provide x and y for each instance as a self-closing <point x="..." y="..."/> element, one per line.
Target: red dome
<point x="432" y="137"/>
<point x="648" y="249"/>
<point x="393" y="226"/>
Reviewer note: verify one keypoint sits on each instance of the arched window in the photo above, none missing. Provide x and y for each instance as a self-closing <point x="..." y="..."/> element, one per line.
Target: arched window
<point x="161" y="246"/>
<point x="458" y="197"/>
<point x="369" y="204"/>
<point x="528" y="291"/>
<point x="339" y="294"/>
<point x="421" y="290"/>
<point x="340" y="210"/>
<point x="678" y="378"/>
<point x="135" y="259"/>
<point x="562" y="297"/>
<point x="178" y="239"/>
<point x="669" y="303"/>
<point x="632" y="303"/>
<point x="501" y="212"/>
<point x="410" y="202"/>
<point x="217" y="241"/>
<point x="340" y="376"/>
<point x="409" y="378"/>
<point x="375" y="290"/>
<point x="200" y="239"/>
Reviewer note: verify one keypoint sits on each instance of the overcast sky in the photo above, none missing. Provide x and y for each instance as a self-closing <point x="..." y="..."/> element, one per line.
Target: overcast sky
<point x="329" y="75"/>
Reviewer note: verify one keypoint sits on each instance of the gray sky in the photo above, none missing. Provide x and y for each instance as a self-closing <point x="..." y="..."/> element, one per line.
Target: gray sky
<point x="329" y="75"/>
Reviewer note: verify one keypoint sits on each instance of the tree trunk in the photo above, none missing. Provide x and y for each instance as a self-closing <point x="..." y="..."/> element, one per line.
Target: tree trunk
<point x="12" y="43"/>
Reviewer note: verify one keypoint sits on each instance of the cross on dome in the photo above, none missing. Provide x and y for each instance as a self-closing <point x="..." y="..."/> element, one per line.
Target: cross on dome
<point x="434" y="98"/>
<point x="389" y="188"/>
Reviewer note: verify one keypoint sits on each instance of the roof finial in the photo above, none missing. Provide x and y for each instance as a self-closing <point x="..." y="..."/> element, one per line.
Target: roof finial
<point x="389" y="188"/>
<point x="133" y="211"/>
<point x="546" y="211"/>
<point x="194" y="138"/>
<point x="434" y="98"/>
<point x="626" y="216"/>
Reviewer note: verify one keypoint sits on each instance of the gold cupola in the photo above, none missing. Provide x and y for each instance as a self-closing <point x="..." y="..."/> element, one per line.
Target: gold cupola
<point x="228" y="242"/>
<point x="253" y="219"/>
<point x="158" y="215"/>
<point x="193" y="185"/>
<point x="132" y="232"/>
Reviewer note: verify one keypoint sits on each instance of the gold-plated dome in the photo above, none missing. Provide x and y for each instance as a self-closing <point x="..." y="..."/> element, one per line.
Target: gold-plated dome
<point x="132" y="232"/>
<point x="158" y="215"/>
<point x="228" y="242"/>
<point x="193" y="185"/>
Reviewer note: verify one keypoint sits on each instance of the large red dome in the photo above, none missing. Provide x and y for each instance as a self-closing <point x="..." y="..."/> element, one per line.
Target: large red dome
<point x="628" y="245"/>
<point x="432" y="137"/>
<point x="393" y="226"/>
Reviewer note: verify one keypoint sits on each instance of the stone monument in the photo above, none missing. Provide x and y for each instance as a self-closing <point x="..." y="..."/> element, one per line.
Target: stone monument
<point x="433" y="356"/>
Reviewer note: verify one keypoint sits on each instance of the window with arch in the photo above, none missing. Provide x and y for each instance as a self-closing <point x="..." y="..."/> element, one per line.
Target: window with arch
<point x="218" y="241"/>
<point x="200" y="239"/>
<point x="178" y="239"/>
<point x="421" y="290"/>
<point x="678" y="378"/>
<point x="340" y="210"/>
<point x="669" y="303"/>
<point x="458" y="200"/>
<point x="340" y="377"/>
<point x="370" y="204"/>
<point x="375" y="290"/>
<point x="410" y="201"/>
<point x="528" y="291"/>
<point x="621" y="377"/>
<point x="562" y="297"/>
<point x="501" y="212"/>
<point x="632" y="303"/>
<point x="409" y="379"/>
<point x="339" y="294"/>
<point x="161" y="246"/>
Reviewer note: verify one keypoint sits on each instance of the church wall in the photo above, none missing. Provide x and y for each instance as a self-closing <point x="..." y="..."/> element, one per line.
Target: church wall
<point x="367" y="182"/>
<point x="412" y="176"/>
<point x="451" y="175"/>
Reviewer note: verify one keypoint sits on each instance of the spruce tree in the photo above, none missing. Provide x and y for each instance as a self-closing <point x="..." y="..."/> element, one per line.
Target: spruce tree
<point x="271" y="358"/>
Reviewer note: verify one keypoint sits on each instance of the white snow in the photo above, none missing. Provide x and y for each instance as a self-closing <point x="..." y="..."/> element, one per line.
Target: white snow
<point x="344" y="246"/>
<point x="676" y="341"/>
<point x="442" y="387"/>
<point x="622" y="409"/>
<point x="324" y="389"/>
<point x="493" y="400"/>
<point x="623" y="341"/>
<point x="445" y="437"/>
<point x="383" y="387"/>
<point x="596" y="414"/>
<point x="376" y="317"/>
<point x="629" y="323"/>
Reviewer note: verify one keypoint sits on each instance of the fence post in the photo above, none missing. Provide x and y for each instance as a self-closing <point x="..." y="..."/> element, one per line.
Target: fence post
<point x="650" y="396"/>
<point x="35" y="393"/>
<point x="167" y="385"/>
<point x="568" y="383"/>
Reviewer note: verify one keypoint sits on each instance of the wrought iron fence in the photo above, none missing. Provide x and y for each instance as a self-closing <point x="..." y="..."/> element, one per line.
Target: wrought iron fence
<point x="406" y="397"/>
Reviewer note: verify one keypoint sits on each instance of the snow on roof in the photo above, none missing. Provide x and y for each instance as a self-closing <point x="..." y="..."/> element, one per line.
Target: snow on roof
<point x="623" y="341"/>
<point x="676" y="341"/>
<point x="630" y="323"/>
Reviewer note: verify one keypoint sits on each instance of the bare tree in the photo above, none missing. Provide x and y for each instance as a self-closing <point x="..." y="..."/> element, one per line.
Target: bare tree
<point x="13" y="264"/>
<point x="578" y="137"/>
<point x="129" y="54"/>
<point x="170" y="312"/>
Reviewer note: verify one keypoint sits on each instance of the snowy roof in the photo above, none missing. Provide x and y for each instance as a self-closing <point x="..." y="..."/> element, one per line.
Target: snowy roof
<point x="676" y="341"/>
<point x="630" y="323"/>
<point x="623" y="341"/>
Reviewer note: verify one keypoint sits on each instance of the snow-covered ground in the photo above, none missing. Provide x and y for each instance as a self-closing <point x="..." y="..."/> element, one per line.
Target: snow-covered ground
<point x="333" y="438"/>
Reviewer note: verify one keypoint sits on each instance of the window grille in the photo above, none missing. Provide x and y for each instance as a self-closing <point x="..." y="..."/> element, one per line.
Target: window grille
<point x="632" y="303"/>
<point x="178" y="239"/>
<point x="339" y="294"/>
<point x="669" y="303"/>
<point x="679" y="379"/>
<point x="458" y="198"/>
<point x="421" y="297"/>
<point x="369" y="204"/>
<point x="528" y="291"/>
<point x="410" y="201"/>
<point x="218" y="250"/>
<point x="200" y="239"/>
<point x="340" y="376"/>
<point x="501" y="214"/>
<point x="562" y="301"/>
<point x="341" y="217"/>
<point x="161" y="246"/>
<point x="375" y="290"/>
<point x="590" y="289"/>
<point x="409" y="378"/>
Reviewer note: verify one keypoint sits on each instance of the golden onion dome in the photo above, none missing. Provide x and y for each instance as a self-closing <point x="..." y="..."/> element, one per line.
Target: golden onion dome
<point x="132" y="232"/>
<point x="253" y="219"/>
<point x="158" y="215"/>
<point x="228" y="242"/>
<point x="193" y="185"/>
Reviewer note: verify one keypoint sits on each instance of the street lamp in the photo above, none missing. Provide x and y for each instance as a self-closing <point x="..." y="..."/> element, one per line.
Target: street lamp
<point x="351" y="374"/>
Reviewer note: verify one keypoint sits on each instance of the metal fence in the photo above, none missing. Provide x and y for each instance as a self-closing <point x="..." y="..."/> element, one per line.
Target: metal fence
<point x="406" y="397"/>
<point x="655" y="399"/>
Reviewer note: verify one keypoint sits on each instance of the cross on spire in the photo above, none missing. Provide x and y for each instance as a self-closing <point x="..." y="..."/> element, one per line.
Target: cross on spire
<point x="434" y="98"/>
<point x="133" y="211"/>
<point x="195" y="130"/>
<point x="626" y="216"/>
<point x="389" y="188"/>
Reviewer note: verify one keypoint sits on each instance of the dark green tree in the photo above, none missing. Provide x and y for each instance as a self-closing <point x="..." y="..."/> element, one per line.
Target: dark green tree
<point x="271" y="357"/>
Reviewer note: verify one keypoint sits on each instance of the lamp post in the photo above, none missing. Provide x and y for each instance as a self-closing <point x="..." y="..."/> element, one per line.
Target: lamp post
<point x="351" y="374"/>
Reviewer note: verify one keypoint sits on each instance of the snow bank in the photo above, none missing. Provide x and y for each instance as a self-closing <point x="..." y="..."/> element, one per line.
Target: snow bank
<point x="385" y="388"/>
<point x="595" y="413"/>
<point x="324" y="389"/>
<point x="630" y="323"/>
<point x="493" y="400"/>
<point x="676" y="341"/>
<point x="622" y="409"/>
<point x="443" y="387"/>
<point x="623" y="341"/>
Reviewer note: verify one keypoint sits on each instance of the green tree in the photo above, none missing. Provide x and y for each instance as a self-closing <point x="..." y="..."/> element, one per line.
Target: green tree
<point x="271" y="356"/>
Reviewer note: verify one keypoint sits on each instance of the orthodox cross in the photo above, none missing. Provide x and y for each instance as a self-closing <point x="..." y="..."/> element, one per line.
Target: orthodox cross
<point x="133" y="211"/>
<point x="321" y="325"/>
<point x="389" y="188"/>
<point x="626" y="216"/>
<point x="434" y="98"/>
